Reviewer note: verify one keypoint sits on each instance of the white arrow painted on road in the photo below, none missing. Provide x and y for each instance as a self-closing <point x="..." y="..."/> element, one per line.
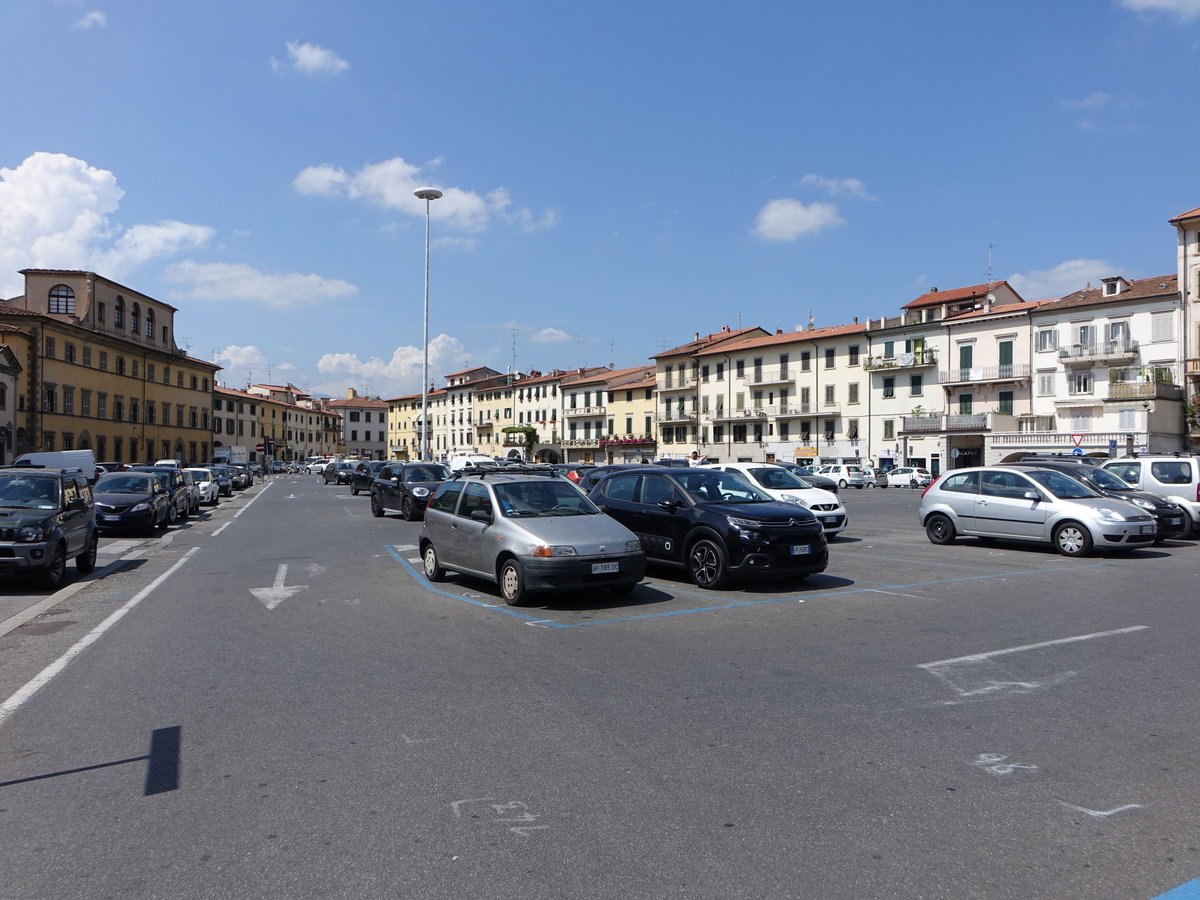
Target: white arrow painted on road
<point x="274" y="595"/>
<point x="1097" y="813"/>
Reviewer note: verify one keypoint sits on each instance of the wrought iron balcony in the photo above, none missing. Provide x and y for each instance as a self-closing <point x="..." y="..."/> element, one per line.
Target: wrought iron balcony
<point x="575" y="412"/>
<point x="1104" y="352"/>
<point x="675" y="418"/>
<point x="918" y="359"/>
<point x="977" y="374"/>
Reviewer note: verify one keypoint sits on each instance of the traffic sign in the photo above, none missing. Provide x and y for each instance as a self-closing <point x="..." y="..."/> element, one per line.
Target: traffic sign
<point x="1077" y="438"/>
<point x="259" y="448"/>
<point x="1078" y="451"/>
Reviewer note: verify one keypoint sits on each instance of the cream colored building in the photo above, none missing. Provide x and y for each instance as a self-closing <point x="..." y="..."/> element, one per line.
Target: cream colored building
<point x="101" y="371"/>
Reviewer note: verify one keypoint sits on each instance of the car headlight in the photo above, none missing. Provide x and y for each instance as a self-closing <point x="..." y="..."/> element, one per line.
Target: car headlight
<point x="1144" y="504"/>
<point x="1111" y="515"/>
<point x="790" y="499"/>
<point x="546" y="551"/>
<point x="29" y="534"/>
<point x="420" y="492"/>
<point x="141" y="507"/>
<point x="633" y="546"/>
<point x="747" y="529"/>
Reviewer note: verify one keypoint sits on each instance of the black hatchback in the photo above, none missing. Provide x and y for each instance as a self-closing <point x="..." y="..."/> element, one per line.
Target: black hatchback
<point x="713" y="524"/>
<point x="1169" y="516"/>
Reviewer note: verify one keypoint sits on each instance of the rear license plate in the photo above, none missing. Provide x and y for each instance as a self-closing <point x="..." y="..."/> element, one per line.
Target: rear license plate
<point x="801" y="549"/>
<point x="605" y="568"/>
<point x="1147" y="529"/>
<point x="1174" y="522"/>
<point x="109" y="518"/>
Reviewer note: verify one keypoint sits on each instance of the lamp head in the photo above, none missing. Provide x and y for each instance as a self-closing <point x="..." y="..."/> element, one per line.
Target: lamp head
<point x="427" y="193"/>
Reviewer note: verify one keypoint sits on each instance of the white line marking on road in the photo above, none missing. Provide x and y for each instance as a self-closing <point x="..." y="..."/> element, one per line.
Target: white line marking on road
<point x="222" y="528"/>
<point x="47" y="674"/>
<point x="274" y="595"/>
<point x="251" y="503"/>
<point x="1098" y="814"/>
<point x="977" y="657"/>
<point x="896" y="593"/>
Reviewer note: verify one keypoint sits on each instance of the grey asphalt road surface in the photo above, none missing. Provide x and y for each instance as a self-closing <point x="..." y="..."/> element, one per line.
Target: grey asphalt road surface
<point x="275" y="703"/>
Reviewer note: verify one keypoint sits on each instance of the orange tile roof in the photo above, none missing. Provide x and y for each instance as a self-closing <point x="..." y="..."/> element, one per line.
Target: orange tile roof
<point x="1139" y="289"/>
<point x="937" y="298"/>
<point x="372" y="402"/>
<point x="784" y="337"/>
<point x="722" y="336"/>
<point x="1190" y="214"/>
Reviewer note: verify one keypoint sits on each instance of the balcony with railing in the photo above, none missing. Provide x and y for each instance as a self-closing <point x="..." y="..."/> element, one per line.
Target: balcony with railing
<point x="1142" y="390"/>
<point x="770" y="376"/>
<point x="980" y="374"/>
<point x="626" y="440"/>
<point x="675" y="383"/>
<point x="675" y="417"/>
<point x="917" y="359"/>
<point x="958" y="423"/>
<point x="792" y="410"/>
<point x="586" y="442"/>
<point x="738" y="415"/>
<point x="573" y="412"/>
<point x="1100" y="353"/>
<point x="1192" y="368"/>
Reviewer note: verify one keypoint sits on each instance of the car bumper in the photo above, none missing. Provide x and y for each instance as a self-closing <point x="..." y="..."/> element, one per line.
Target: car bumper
<point x="125" y="521"/>
<point x="575" y="573"/>
<point x="778" y="560"/>
<point x="1122" y="536"/>
<point x="23" y="557"/>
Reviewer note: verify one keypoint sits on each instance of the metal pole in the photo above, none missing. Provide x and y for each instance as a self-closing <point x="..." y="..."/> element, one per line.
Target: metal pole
<point x="427" y="194"/>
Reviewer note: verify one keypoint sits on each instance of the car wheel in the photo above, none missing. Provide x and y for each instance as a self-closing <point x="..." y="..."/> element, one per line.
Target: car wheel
<point x="86" y="561"/>
<point x="354" y="489"/>
<point x="54" y="574"/>
<point x="376" y="506"/>
<point x="512" y="583"/>
<point x="707" y="565"/>
<point x="842" y="484"/>
<point x="187" y="511"/>
<point x="433" y="568"/>
<point x="869" y="484"/>
<point x="408" y="510"/>
<point x="940" y="529"/>
<point x="1072" y="539"/>
<point x="162" y="523"/>
<point x="172" y="515"/>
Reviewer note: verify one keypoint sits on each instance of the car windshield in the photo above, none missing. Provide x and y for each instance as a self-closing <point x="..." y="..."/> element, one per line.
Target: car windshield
<point x="1102" y="478"/>
<point x="1064" y="487"/>
<point x="23" y="492"/>
<point x="777" y="479"/>
<point x="710" y="486"/>
<point x="425" y="473"/>
<point x="122" y="484"/>
<point x="538" y="498"/>
<point x="201" y="476"/>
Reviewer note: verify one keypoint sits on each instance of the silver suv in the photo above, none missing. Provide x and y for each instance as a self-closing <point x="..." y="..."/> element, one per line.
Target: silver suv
<point x="1175" y="477"/>
<point x="1031" y="504"/>
<point x="527" y="530"/>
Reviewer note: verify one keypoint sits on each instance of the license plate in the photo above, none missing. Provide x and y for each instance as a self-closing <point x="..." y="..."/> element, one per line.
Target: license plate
<point x="605" y="568"/>
<point x="800" y="549"/>
<point x="1174" y="522"/>
<point x="1147" y="529"/>
<point x="109" y="518"/>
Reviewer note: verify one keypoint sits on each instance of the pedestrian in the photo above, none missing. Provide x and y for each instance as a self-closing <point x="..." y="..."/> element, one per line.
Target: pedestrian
<point x="696" y="459"/>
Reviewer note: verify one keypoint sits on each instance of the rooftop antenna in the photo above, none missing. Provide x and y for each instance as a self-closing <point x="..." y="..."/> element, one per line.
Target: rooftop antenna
<point x="578" y="350"/>
<point x="812" y="322"/>
<point x="514" y="351"/>
<point x="612" y="354"/>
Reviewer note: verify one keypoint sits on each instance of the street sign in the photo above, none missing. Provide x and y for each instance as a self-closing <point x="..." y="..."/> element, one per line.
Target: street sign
<point x="1077" y="438"/>
<point x="1078" y="451"/>
<point x="259" y="448"/>
<point x="1112" y="444"/>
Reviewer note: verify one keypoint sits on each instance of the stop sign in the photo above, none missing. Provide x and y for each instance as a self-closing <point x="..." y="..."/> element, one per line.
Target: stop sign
<point x="259" y="448"/>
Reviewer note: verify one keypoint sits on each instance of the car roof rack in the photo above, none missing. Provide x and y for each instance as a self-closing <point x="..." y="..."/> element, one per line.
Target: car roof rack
<point x="526" y="469"/>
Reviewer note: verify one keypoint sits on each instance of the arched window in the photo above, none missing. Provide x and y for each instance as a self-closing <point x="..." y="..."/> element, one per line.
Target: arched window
<point x="119" y="312"/>
<point x="135" y="319"/>
<point x="150" y="324"/>
<point x="62" y="300"/>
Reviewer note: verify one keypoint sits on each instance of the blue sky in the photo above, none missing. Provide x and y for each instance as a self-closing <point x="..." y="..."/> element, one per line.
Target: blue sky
<point x="618" y="175"/>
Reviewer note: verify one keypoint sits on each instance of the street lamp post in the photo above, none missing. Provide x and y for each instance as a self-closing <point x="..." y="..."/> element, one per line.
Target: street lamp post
<point x="426" y="194"/>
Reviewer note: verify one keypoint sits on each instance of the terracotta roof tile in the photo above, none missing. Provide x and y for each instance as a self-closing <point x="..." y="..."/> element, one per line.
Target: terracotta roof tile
<point x="785" y="337"/>
<point x="1190" y="214"/>
<point x="1139" y="289"/>
<point x="937" y="298"/>
<point x="722" y="336"/>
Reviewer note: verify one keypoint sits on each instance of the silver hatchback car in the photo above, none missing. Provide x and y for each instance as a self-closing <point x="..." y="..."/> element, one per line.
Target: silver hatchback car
<point x="527" y="530"/>
<point x="1031" y="505"/>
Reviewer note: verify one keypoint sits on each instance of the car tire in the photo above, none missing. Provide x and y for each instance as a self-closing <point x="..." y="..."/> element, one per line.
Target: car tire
<point x="172" y="515"/>
<point x="431" y="564"/>
<point x="512" y="583"/>
<point x="1073" y="539"/>
<point x="408" y="510"/>
<point x="842" y="484"/>
<point x="354" y="490"/>
<point x="187" y="511"/>
<point x="55" y="573"/>
<point x="85" y="562"/>
<point x="376" y="506"/>
<point x="939" y="529"/>
<point x="707" y="564"/>
<point x="162" y="523"/>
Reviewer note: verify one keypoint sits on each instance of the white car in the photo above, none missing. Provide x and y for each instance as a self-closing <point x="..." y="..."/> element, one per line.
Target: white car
<point x="909" y="476"/>
<point x="782" y="485"/>
<point x="206" y="485"/>
<point x="845" y="476"/>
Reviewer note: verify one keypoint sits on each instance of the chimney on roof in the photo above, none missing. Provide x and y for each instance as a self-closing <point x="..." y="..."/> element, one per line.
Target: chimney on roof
<point x="697" y="337"/>
<point x="933" y="290"/>
<point x="724" y="328"/>
<point x="351" y="393"/>
<point x="779" y="331"/>
<point x="856" y="320"/>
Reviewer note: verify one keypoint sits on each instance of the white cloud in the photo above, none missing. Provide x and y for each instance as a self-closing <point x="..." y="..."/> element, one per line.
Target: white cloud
<point x="839" y="186"/>
<point x="391" y="183"/>
<point x="785" y="219"/>
<point x="314" y="58"/>
<point x="54" y="214"/>
<point x="236" y="357"/>
<point x="1065" y="278"/>
<point x="238" y="281"/>
<point x="549" y="336"/>
<point x="94" y="19"/>
<point x="402" y="372"/>
<point x="1184" y="10"/>
<point x="1094" y="100"/>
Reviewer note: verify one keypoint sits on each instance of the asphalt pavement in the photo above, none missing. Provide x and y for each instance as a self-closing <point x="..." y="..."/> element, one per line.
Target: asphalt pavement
<point x="275" y="703"/>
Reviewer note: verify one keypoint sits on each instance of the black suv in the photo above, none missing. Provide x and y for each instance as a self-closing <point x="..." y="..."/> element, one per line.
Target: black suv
<point x="406" y="487"/>
<point x="47" y="516"/>
<point x="177" y="490"/>
<point x="364" y="473"/>
<point x="714" y="524"/>
<point x="1169" y="516"/>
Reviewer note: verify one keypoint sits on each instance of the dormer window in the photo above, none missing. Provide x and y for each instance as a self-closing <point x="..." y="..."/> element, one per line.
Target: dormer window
<point x="1114" y="286"/>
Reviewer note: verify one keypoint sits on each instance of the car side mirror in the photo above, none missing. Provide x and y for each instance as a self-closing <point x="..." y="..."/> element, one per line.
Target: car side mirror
<point x="77" y="503"/>
<point x="668" y="505"/>
<point x="1032" y="495"/>
<point x="481" y="515"/>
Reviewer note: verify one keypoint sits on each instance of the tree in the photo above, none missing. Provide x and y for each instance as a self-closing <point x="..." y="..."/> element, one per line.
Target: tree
<point x="530" y="435"/>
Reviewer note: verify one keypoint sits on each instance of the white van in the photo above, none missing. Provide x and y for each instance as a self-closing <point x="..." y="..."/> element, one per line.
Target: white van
<point x="173" y="463"/>
<point x="1177" y="477"/>
<point x="61" y="459"/>
<point x="466" y="460"/>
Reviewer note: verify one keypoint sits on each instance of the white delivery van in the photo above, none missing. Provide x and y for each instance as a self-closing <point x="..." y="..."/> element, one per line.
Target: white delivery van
<point x="465" y="460"/>
<point x="61" y="459"/>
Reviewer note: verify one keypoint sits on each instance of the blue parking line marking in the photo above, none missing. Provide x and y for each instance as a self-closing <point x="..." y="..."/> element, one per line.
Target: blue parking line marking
<point x="875" y="588"/>
<point x="1188" y="891"/>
